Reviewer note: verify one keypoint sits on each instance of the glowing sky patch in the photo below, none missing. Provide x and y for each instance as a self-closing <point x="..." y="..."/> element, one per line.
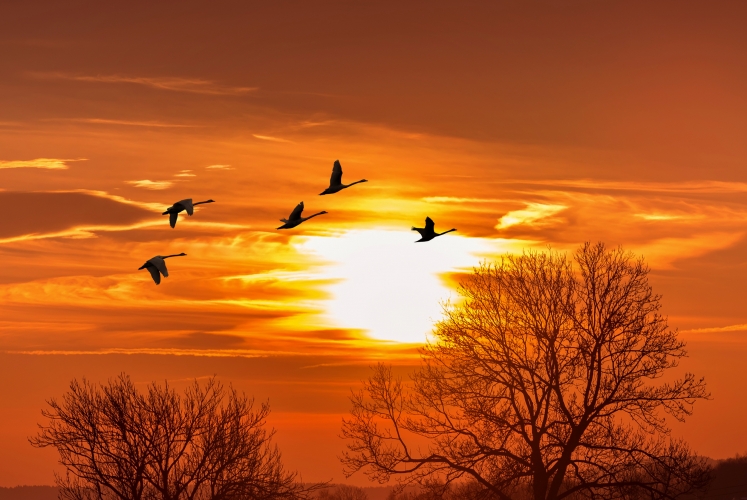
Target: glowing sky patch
<point x="390" y="286"/>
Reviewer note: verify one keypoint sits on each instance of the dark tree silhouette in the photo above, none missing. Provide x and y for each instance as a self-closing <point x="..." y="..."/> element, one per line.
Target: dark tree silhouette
<point x="207" y="443"/>
<point x="545" y="382"/>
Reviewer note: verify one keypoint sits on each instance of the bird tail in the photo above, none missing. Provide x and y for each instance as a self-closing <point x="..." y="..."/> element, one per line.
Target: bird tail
<point x="165" y="213"/>
<point x="413" y="228"/>
<point x="284" y="221"/>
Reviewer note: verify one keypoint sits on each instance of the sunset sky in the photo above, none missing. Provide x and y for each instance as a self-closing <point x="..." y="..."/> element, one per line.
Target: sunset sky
<point x="525" y="125"/>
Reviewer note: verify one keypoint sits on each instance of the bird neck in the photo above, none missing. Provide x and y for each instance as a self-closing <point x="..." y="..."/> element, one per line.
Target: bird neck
<point x="450" y="230"/>
<point x="310" y="216"/>
<point x="202" y="202"/>
<point x="175" y="255"/>
<point x="353" y="183"/>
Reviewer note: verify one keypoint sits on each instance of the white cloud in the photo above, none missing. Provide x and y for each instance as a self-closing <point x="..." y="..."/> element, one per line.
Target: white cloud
<point x="219" y="167"/>
<point x="185" y="173"/>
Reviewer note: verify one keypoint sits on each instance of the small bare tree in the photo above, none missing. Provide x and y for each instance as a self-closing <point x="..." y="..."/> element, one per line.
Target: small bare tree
<point x="543" y="383"/>
<point x="208" y="443"/>
<point x="342" y="492"/>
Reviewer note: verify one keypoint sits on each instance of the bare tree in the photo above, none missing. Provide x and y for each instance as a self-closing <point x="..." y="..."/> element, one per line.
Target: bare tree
<point x="544" y="382"/>
<point x="207" y="443"/>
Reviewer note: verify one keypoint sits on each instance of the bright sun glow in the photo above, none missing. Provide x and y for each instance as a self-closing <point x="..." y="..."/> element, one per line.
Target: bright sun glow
<point x="389" y="285"/>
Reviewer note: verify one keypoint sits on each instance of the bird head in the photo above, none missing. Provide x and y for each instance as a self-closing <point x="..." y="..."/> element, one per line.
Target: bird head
<point x="210" y="201"/>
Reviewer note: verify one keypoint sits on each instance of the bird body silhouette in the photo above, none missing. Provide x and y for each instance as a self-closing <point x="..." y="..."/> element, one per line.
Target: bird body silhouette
<point x="181" y="206"/>
<point x="295" y="218"/>
<point x="335" y="181"/>
<point x="428" y="232"/>
<point x="156" y="266"/>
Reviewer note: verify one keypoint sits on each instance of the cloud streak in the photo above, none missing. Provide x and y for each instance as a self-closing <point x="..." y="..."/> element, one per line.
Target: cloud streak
<point x="152" y="185"/>
<point x="44" y="163"/>
<point x="718" y="329"/>
<point x="174" y="84"/>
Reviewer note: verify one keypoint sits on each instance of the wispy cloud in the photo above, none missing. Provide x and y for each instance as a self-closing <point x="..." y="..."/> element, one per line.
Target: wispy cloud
<point x="127" y="123"/>
<point x="704" y="186"/>
<point x="270" y="138"/>
<point x="533" y="213"/>
<point x="663" y="216"/>
<point x="47" y="163"/>
<point x="80" y="232"/>
<point x="176" y="84"/>
<point x="185" y="173"/>
<point x="662" y="253"/>
<point x="219" y="167"/>
<point x="149" y="184"/>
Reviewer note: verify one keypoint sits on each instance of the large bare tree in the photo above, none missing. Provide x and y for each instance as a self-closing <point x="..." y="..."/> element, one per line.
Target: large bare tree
<point x="209" y="443"/>
<point x="544" y="382"/>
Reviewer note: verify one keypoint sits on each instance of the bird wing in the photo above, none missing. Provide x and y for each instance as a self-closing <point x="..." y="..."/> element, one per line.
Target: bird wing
<point x="173" y="216"/>
<point x="296" y="213"/>
<point x="187" y="204"/>
<point x="160" y="264"/>
<point x="336" y="178"/>
<point x="430" y="226"/>
<point x="154" y="273"/>
<point x="420" y="230"/>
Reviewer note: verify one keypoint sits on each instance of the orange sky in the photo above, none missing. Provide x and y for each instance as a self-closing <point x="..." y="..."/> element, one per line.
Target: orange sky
<point x="523" y="125"/>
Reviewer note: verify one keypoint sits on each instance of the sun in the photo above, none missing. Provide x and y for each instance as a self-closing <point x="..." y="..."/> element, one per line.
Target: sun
<point x="388" y="285"/>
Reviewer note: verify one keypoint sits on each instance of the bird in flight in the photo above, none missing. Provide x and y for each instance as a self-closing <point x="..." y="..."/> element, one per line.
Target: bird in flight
<point x="156" y="266"/>
<point x="428" y="232"/>
<point x="335" y="181"/>
<point x="295" y="218"/>
<point x="181" y="206"/>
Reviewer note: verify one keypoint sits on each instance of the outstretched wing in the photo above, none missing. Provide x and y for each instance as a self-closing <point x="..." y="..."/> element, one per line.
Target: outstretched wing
<point x="154" y="273"/>
<point x="187" y="204"/>
<point x="336" y="178"/>
<point x="430" y="226"/>
<point x="296" y="213"/>
<point x="419" y="230"/>
<point x="173" y="216"/>
<point x="160" y="264"/>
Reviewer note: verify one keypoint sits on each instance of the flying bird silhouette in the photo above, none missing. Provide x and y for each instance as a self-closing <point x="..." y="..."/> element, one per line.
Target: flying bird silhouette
<point x="428" y="232"/>
<point x="295" y="218"/>
<point x="156" y="266"/>
<point x="335" y="181"/>
<point x="181" y="206"/>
